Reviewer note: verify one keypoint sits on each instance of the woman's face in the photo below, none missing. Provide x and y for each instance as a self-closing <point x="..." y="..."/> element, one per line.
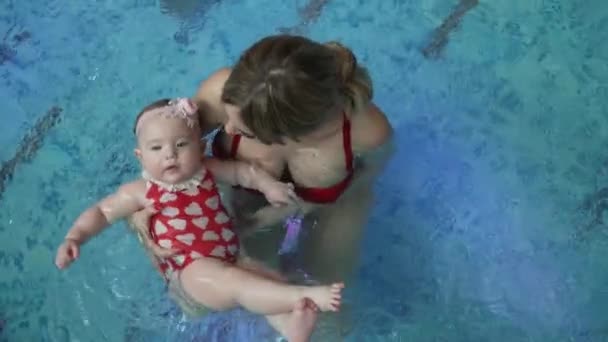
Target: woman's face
<point x="234" y="125"/>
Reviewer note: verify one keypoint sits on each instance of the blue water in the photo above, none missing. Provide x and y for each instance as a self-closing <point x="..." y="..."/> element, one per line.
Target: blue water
<point x="490" y="219"/>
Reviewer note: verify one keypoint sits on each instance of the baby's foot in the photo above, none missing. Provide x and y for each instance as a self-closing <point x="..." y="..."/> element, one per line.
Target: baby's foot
<point x="301" y="322"/>
<point x="327" y="298"/>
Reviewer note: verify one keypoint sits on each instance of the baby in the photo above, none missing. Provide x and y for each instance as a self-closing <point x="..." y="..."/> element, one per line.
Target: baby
<point x="207" y="272"/>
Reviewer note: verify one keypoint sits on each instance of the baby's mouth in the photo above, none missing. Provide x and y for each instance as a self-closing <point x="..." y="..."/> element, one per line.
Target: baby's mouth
<point x="171" y="168"/>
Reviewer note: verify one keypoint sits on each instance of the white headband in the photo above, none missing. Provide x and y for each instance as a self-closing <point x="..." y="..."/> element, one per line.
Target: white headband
<point x="182" y="108"/>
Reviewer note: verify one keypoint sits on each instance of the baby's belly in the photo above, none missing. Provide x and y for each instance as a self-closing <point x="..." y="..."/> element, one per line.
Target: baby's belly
<point x="195" y="240"/>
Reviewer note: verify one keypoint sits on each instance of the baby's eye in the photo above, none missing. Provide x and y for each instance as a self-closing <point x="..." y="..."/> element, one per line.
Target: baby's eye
<point x="182" y="143"/>
<point x="155" y="148"/>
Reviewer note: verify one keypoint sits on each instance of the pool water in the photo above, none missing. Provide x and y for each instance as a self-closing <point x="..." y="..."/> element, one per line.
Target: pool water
<point x="490" y="220"/>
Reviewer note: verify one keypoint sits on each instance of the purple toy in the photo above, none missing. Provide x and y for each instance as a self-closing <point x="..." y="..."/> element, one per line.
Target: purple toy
<point x="293" y="225"/>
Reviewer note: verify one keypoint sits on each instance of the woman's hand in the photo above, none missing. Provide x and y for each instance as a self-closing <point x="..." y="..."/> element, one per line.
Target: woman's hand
<point x="279" y="194"/>
<point x="140" y="222"/>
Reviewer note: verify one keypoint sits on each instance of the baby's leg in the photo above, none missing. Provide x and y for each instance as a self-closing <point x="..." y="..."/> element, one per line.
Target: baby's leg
<point x="297" y="325"/>
<point x="259" y="268"/>
<point x="222" y="286"/>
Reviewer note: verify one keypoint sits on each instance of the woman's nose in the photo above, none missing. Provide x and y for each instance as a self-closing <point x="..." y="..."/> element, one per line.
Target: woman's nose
<point x="230" y="129"/>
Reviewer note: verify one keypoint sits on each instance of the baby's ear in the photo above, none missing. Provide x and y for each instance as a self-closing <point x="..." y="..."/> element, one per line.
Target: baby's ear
<point x="137" y="153"/>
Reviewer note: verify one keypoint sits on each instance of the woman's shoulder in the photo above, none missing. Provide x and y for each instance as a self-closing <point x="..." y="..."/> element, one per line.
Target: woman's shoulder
<point x="209" y="93"/>
<point x="370" y="129"/>
<point x="216" y="80"/>
<point x="210" y="89"/>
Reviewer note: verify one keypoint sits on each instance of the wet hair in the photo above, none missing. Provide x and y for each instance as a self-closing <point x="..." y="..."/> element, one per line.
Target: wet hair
<point x="154" y="105"/>
<point x="288" y="86"/>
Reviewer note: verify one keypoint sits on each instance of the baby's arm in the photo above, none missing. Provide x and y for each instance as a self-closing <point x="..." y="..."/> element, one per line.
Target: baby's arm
<point x="128" y="199"/>
<point x="250" y="176"/>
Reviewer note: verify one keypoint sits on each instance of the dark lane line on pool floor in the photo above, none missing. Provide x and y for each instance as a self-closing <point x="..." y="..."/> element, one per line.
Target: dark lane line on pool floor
<point x="29" y="145"/>
<point x="191" y="16"/>
<point x="440" y="36"/>
<point x="308" y="14"/>
<point x="11" y="41"/>
<point x="595" y="209"/>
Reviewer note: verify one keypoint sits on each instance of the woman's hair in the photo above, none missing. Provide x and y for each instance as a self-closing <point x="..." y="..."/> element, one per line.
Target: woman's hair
<point x="287" y="86"/>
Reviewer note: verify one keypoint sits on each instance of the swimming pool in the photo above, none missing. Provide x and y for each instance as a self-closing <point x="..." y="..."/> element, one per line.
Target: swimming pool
<point x="490" y="224"/>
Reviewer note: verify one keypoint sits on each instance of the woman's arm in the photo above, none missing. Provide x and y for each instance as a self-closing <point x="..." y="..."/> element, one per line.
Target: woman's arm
<point x="372" y="138"/>
<point x="234" y="172"/>
<point x="250" y="176"/>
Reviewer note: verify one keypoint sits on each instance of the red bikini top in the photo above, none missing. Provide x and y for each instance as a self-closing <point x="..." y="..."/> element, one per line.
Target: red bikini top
<point x="313" y="195"/>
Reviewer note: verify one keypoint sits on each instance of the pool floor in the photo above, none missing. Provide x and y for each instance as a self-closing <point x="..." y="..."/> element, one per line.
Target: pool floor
<point x="489" y="222"/>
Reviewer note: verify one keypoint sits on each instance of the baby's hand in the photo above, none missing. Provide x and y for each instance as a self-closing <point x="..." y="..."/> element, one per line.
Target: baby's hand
<point x="279" y="194"/>
<point x="67" y="253"/>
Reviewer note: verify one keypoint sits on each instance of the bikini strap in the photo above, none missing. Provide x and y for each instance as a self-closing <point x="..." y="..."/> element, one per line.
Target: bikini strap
<point x="234" y="147"/>
<point x="346" y="141"/>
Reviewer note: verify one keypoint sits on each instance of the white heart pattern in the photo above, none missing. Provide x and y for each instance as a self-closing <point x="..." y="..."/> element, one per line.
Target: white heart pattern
<point x="164" y="243"/>
<point x="178" y="224"/>
<point x="210" y="236"/>
<point x="191" y="192"/>
<point x="221" y="217"/>
<point x="193" y="209"/>
<point x="227" y="234"/>
<point x="179" y="259"/>
<point x="213" y="202"/>
<point x="201" y="222"/>
<point x="160" y="228"/>
<point x="219" y="251"/>
<point x="186" y="238"/>
<point x="169" y="211"/>
<point x="169" y="273"/>
<point x="207" y="185"/>
<point x="168" y="197"/>
<point x="232" y="249"/>
<point x="195" y="255"/>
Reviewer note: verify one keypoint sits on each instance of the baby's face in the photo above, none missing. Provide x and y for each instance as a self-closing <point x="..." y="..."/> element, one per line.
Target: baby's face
<point x="168" y="149"/>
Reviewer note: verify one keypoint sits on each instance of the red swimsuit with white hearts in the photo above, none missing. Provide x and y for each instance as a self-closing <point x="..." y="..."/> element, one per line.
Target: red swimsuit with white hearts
<point x="191" y="218"/>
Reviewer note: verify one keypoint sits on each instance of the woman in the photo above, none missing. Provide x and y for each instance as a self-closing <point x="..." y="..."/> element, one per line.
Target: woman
<point x="302" y="111"/>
